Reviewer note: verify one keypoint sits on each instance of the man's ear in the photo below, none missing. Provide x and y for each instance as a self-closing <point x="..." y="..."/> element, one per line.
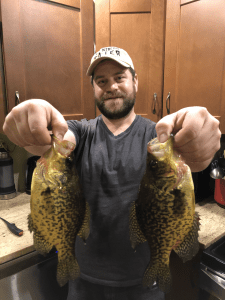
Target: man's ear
<point x="136" y="82"/>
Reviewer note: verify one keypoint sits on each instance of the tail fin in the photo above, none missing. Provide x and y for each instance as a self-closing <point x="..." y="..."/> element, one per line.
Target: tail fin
<point x="67" y="269"/>
<point x="160" y="273"/>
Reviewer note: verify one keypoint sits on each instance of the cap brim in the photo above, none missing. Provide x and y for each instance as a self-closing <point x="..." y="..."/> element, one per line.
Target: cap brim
<point x="97" y="61"/>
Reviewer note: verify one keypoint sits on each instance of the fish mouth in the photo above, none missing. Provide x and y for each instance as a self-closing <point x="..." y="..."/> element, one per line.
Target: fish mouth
<point x="65" y="148"/>
<point x="181" y="171"/>
<point x="156" y="150"/>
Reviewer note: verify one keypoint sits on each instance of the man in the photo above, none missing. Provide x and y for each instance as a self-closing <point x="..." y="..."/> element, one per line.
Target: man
<point x="110" y="156"/>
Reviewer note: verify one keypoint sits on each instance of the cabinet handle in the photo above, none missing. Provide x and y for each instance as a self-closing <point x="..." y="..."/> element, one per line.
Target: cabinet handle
<point x="154" y="103"/>
<point x="17" y="97"/>
<point x="168" y="101"/>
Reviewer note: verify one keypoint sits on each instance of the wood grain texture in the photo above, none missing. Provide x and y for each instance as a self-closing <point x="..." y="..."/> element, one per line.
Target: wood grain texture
<point x="13" y="51"/>
<point x="3" y="108"/>
<point x="200" y="56"/>
<point x="171" y="45"/>
<point x="73" y="3"/>
<point x="137" y="45"/>
<point x="130" y="6"/>
<point x="102" y="24"/>
<point x="156" y="66"/>
<point x="48" y="54"/>
<point x="182" y="2"/>
<point x="142" y="36"/>
<point x="194" y="55"/>
<point x="55" y="68"/>
<point x="102" y="28"/>
<point x="87" y="51"/>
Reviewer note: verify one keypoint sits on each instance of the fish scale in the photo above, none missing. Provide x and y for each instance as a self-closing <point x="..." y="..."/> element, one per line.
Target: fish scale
<point x="59" y="212"/>
<point x="164" y="212"/>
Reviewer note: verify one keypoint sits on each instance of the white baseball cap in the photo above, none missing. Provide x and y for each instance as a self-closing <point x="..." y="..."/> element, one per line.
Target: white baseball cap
<point x="114" y="53"/>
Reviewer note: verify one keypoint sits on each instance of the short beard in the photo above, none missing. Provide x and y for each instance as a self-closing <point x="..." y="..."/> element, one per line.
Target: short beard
<point x="128" y="104"/>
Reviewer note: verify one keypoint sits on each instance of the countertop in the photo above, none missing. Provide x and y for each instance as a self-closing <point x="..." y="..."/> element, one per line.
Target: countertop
<point x="17" y="209"/>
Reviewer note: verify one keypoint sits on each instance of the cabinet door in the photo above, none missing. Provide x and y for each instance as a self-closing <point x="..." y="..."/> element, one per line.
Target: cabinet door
<point x="48" y="46"/>
<point x="138" y="28"/>
<point x="3" y="104"/>
<point x="195" y="56"/>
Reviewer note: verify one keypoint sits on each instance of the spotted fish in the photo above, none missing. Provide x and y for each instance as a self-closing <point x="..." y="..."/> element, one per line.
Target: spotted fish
<point x="164" y="212"/>
<point x="59" y="211"/>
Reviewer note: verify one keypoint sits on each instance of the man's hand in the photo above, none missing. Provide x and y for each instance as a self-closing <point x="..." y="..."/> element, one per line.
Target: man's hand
<point x="27" y="123"/>
<point x="196" y="135"/>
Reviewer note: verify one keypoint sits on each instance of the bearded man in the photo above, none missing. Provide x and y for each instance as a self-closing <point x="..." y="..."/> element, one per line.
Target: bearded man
<point x="110" y="157"/>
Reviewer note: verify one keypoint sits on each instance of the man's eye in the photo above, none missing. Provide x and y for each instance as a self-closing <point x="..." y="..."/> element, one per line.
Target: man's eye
<point x="101" y="82"/>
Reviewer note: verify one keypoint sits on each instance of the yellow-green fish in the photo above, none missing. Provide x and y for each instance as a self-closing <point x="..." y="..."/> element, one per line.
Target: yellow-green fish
<point x="164" y="212"/>
<point x="59" y="211"/>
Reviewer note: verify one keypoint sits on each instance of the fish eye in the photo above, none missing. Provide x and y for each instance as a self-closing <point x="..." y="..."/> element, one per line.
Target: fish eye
<point x="69" y="161"/>
<point x="153" y="163"/>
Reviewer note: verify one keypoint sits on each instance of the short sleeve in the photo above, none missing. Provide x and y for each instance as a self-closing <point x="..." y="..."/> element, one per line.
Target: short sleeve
<point x="83" y="131"/>
<point x="76" y="127"/>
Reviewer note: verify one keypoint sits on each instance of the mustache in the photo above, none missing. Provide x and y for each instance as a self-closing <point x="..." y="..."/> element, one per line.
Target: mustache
<point x="113" y="96"/>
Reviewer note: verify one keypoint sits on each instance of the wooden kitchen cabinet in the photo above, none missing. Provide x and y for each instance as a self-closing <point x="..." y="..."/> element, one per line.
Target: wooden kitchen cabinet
<point x="138" y="28"/>
<point x="48" y="46"/>
<point x="177" y="46"/>
<point x="194" y="73"/>
<point x="3" y="104"/>
<point x="192" y="67"/>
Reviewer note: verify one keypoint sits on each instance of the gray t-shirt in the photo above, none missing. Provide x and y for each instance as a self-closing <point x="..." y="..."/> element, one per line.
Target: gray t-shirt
<point x="111" y="168"/>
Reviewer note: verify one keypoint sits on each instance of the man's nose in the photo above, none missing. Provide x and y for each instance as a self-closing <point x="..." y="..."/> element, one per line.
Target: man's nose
<point x="112" y="85"/>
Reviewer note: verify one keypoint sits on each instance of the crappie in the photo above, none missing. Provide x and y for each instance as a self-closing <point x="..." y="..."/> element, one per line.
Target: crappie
<point x="164" y="212"/>
<point x="59" y="211"/>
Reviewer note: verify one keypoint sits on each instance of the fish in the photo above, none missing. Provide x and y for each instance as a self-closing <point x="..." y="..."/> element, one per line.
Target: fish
<point x="59" y="211"/>
<point x="163" y="215"/>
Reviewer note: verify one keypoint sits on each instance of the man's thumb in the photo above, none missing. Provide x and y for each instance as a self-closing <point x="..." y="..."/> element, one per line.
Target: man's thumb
<point x="58" y="124"/>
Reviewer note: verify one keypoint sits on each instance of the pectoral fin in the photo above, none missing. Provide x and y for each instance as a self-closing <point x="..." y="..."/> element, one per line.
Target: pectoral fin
<point x="85" y="228"/>
<point x="136" y="235"/>
<point x="190" y="245"/>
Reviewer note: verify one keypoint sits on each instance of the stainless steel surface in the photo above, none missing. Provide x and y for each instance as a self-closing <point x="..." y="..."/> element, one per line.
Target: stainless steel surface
<point x="17" y="95"/>
<point x="8" y="196"/>
<point x="7" y="185"/>
<point x="212" y="269"/>
<point x="168" y="101"/>
<point x="217" y="173"/>
<point x="215" y="276"/>
<point x="31" y="277"/>
<point x="212" y="281"/>
<point x="154" y="103"/>
<point x="4" y="155"/>
<point x="217" y="168"/>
